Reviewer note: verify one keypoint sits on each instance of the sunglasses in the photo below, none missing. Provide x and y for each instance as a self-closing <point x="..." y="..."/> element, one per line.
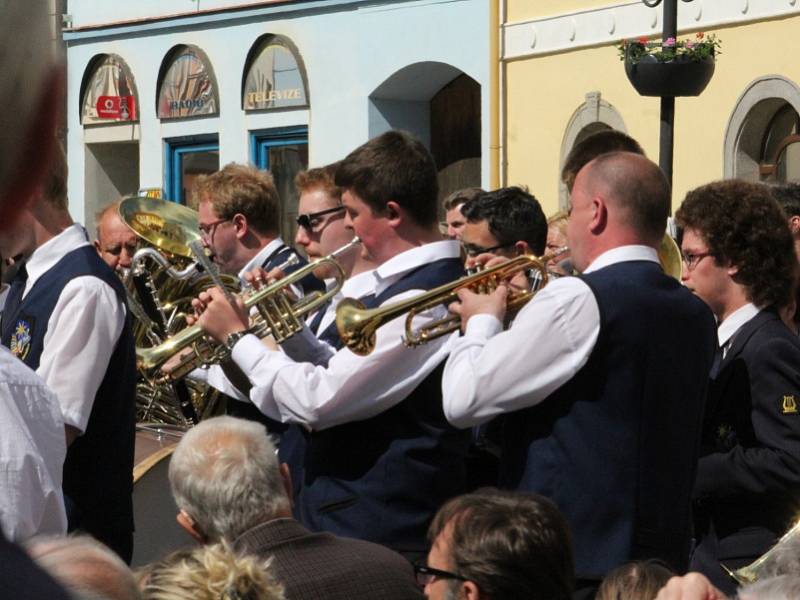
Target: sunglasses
<point x="309" y="221"/>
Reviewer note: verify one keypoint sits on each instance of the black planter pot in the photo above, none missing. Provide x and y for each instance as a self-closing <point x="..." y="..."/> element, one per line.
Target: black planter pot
<point x="679" y="77"/>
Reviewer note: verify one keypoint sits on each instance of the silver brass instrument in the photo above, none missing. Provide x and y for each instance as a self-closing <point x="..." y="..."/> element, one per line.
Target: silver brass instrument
<point x="276" y="314"/>
<point x="358" y="325"/>
<point x="762" y="567"/>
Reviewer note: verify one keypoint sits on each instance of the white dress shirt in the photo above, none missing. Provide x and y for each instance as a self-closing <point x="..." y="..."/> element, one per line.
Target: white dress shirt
<point x="491" y="371"/>
<point x="735" y="321"/>
<point x="32" y="452"/>
<point x="262" y="255"/>
<point x="82" y="331"/>
<point x="306" y="346"/>
<point x="351" y="387"/>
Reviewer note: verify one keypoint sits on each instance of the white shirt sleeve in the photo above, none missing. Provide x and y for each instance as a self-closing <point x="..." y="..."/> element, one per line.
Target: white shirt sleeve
<point x="490" y="371"/>
<point x="351" y="387"/>
<point x="33" y="448"/>
<point x="82" y="333"/>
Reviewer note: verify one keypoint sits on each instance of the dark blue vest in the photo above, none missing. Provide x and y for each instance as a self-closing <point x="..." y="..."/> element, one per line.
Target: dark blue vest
<point x="382" y="479"/>
<point x="98" y="471"/>
<point x="616" y="447"/>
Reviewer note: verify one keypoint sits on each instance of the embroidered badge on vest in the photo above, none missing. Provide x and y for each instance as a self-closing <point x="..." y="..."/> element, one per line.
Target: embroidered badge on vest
<point x="21" y="339"/>
<point x="789" y="405"/>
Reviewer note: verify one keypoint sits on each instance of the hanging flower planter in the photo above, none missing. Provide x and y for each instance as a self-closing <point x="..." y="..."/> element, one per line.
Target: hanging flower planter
<point x="681" y="68"/>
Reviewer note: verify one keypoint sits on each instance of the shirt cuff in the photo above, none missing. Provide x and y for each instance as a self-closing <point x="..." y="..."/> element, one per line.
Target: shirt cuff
<point x="247" y="352"/>
<point x="483" y="326"/>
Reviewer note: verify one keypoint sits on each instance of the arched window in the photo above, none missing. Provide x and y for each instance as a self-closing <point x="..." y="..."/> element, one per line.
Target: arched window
<point x="275" y="76"/>
<point x="762" y="140"/>
<point x="108" y="92"/>
<point x="187" y="86"/>
<point x="780" y="154"/>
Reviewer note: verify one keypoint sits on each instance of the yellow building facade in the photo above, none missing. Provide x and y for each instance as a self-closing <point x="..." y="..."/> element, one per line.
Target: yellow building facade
<point x="561" y="79"/>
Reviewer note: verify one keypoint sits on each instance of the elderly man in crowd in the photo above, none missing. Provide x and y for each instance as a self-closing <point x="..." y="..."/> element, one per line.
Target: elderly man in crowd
<point x="228" y="486"/>
<point x="116" y="243"/>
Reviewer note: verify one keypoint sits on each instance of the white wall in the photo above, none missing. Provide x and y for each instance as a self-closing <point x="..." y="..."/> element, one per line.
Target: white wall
<point x="349" y="49"/>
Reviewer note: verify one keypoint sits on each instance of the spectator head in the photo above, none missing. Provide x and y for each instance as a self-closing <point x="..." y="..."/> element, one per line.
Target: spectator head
<point x="593" y="146"/>
<point x="213" y="572"/>
<point x="493" y="544"/>
<point x="225" y="479"/>
<point x="454" y="219"/>
<point x="84" y="566"/>
<point x="637" y="580"/>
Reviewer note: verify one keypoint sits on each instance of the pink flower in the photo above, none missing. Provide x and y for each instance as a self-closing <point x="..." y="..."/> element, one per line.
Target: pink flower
<point x="670" y="42"/>
<point x="689" y="44"/>
<point x="700" y="35"/>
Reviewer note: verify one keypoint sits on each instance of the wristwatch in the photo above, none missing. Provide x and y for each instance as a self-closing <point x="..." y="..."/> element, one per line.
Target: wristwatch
<point x="234" y="337"/>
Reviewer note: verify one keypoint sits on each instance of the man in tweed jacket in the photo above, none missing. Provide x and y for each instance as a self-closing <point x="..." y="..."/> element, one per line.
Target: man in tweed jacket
<point x="227" y="484"/>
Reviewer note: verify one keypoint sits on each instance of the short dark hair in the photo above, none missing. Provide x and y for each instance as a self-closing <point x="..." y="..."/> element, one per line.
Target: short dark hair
<point x="513" y="215"/>
<point x="638" y="187"/>
<point x="593" y="146"/>
<point x="244" y="190"/>
<point x="743" y="226"/>
<point x="321" y="178"/>
<point x="511" y="545"/>
<point x="635" y="580"/>
<point x="394" y="166"/>
<point x="461" y="196"/>
<point x="788" y="197"/>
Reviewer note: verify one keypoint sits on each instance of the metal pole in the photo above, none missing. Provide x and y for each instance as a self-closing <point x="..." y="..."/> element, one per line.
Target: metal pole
<point x="665" y="153"/>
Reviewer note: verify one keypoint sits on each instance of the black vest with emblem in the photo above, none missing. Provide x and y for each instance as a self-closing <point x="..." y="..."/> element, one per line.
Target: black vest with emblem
<point x="382" y="479"/>
<point x="616" y="447"/>
<point x="98" y="470"/>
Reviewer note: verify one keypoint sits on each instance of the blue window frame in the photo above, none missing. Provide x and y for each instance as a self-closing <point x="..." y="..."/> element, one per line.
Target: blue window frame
<point x="185" y="158"/>
<point x="283" y="152"/>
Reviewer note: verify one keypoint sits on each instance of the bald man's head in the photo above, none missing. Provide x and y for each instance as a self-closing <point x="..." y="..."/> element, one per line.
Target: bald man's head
<point x="116" y="243"/>
<point x="635" y="190"/>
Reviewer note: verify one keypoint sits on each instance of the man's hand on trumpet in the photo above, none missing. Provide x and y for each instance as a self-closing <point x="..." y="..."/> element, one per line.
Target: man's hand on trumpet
<point x="217" y="316"/>
<point x="471" y="303"/>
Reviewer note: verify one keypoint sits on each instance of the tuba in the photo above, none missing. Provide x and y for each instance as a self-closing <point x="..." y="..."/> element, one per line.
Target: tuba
<point x="275" y="313"/>
<point x="358" y="325"/>
<point x="163" y="278"/>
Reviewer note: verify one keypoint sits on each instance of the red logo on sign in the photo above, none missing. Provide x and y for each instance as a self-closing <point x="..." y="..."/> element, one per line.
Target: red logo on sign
<point x="122" y="108"/>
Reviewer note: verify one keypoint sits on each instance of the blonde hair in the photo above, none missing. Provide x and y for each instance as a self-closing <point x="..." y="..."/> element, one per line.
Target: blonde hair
<point x="559" y="222"/>
<point x="213" y="572"/>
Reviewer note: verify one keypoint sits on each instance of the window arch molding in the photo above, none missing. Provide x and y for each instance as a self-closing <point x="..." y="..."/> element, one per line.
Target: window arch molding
<point x="198" y="101"/>
<point x="91" y="71"/>
<point x="593" y="115"/>
<point x="259" y="46"/>
<point x="749" y="120"/>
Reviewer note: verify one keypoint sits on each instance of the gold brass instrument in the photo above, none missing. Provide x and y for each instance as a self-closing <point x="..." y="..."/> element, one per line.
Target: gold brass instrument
<point x="160" y="284"/>
<point x="276" y="315"/>
<point x="669" y="255"/>
<point x="358" y="325"/>
<point x="763" y="566"/>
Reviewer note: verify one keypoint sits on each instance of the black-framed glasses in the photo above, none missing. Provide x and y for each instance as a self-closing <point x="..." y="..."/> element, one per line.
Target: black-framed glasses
<point x="472" y="250"/>
<point x="207" y="230"/>
<point x="426" y="575"/>
<point x="691" y="259"/>
<point x="309" y="221"/>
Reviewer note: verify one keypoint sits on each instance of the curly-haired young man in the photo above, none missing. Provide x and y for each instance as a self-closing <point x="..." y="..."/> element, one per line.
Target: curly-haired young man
<point x="739" y="258"/>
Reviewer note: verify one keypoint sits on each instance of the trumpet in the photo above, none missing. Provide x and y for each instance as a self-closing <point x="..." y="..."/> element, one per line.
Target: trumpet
<point x="357" y="325"/>
<point x="276" y="315"/>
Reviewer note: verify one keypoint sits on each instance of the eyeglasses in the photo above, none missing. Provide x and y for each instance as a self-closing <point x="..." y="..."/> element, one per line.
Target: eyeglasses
<point x="691" y="259"/>
<point x="309" y="221"/>
<point x="207" y="230"/>
<point x="426" y="575"/>
<point x="472" y="250"/>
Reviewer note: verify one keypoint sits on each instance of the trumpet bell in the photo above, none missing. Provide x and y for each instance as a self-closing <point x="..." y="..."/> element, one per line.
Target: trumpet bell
<point x="168" y="226"/>
<point x="669" y="255"/>
<point x="353" y="324"/>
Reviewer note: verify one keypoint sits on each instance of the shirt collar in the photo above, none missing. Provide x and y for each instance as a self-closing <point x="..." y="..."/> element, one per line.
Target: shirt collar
<point x="622" y="254"/>
<point x="735" y="321"/>
<point x="53" y="250"/>
<point x="262" y="256"/>
<point x="358" y="285"/>
<point x="397" y="266"/>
